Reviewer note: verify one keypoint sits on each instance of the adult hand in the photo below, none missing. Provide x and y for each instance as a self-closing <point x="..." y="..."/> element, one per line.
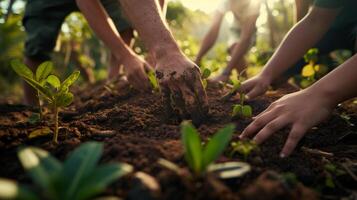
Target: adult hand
<point x="135" y="69"/>
<point x="255" y="86"/>
<point x="181" y="85"/>
<point x="290" y="110"/>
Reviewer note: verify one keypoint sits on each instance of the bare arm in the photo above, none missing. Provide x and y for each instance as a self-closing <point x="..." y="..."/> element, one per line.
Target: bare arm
<point x="211" y="36"/>
<point x="248" y="30"/>
<point x="302" y="8"/>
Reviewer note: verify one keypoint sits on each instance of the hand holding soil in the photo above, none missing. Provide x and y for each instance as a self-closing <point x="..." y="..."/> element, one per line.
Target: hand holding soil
<point x="182" y="88"/>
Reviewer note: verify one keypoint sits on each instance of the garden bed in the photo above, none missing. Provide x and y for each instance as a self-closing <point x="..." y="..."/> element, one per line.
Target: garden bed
<point x="135" y="129"/>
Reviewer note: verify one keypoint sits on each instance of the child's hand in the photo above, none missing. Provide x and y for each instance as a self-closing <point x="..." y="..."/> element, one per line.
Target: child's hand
<point x="255" y="86"/>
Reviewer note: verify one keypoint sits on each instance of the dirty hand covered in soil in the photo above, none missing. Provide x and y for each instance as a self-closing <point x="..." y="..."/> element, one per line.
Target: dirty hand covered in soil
<point x="134" y="129"/>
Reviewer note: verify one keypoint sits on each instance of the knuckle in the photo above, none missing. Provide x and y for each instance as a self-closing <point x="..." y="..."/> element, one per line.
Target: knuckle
<point x="272" y="126"/>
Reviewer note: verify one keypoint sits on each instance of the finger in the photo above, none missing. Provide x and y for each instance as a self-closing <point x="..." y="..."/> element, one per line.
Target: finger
<point x="246" y="86"/>
<point x="255" y="92"/>
<point x="148" y="67"/>
<point x="271" y="128"/>
<point x="257" y="124"/>
<point x="200" y="109"/>
<point x="295" y="135"/>
<point x="166" y="98"/>
<point x="176" y="98"/>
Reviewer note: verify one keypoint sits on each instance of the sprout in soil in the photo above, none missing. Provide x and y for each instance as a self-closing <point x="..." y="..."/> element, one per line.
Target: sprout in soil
<point x="244" y="148"/>
<point x="153" y="81"/>
<point x="42" y="72"/>
<point x="312" y="71"/>
<point x="56" y="93"/>
<point x="206" y="73"/>
<point x="199" y="157"/>
<point x="79" y="177"/>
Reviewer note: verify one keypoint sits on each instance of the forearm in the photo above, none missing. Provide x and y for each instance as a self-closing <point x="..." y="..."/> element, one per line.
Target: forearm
<point x="302" y="37"/>
<point x="152" y="28"/>
<point x="339" y="85"/>
<point x="208" y="41"/>
<point x="302" y="8"/>
<point x="103" y="26"/>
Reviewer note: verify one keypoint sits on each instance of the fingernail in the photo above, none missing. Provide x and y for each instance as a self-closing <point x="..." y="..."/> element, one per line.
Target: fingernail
<point x="282" y="155"/>
<point x="247" y="97"/>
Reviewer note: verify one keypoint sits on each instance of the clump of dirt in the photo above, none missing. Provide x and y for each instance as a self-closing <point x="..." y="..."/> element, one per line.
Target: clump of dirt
<point x="135" y="129"/>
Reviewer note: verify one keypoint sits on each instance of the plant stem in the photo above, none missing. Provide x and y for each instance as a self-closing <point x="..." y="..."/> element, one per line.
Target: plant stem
<point x="241" y="96"/>
<point x="55" y="136"/>
<point x="39" y="104"/>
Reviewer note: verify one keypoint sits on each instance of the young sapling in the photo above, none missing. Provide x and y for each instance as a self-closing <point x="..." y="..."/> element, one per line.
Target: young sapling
<point x="56" y="93"/>
<point x="153" y="81"/>
<point x="244" y="148"/>
<point x="79" y="177"/>
<point x="312" y="71"/>
<point x="206" y="73"/>
<point x="40" y="76"/>
<point x="199" y="157"/>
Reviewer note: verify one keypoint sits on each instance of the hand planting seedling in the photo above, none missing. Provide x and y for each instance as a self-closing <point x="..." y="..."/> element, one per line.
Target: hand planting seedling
<point x="200" y="157"/>
<point x="244" y="148"/>
<point x="206" y="73"/>
<point x="78" y="178"/>
<point x="56" y="93"/>
<point x="42" y="72"/>
<point x="153" y="81"/>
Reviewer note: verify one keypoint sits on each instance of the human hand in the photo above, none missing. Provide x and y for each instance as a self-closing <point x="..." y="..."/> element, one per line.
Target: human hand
<point x="181" y="86"/>
<point x="255" y="86"/>
<point x="135" y="69"/>
<point x="290" y="110"/>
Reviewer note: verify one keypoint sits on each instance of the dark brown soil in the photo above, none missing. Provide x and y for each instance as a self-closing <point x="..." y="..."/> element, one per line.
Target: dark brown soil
<point x="135" y="129"/>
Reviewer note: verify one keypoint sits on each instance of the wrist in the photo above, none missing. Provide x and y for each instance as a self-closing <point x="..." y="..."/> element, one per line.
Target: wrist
<point x="325" y="96"/>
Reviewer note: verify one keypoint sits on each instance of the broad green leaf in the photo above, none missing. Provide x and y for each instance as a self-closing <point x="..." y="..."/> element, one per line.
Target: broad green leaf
<point x="247" y="111"/>
<point x="44" y="70"/>
<point x="40" y="132"/>
<point x="64" y="99"/>
<point x="70" y="80"/>
<point x="44" y="91"/>
<point x="206" y="73"/>
<point x="101" y="177"/>
<point x="54" y="81"/>
<point x="12" y="190"/>
<point x="40" y="165"/>
<point x="192" y="146"/>
<point x="237" y="110"/>
<point x="80" y="164"/>
<point x="21" y="69"/>
<point x="217" y="144"/>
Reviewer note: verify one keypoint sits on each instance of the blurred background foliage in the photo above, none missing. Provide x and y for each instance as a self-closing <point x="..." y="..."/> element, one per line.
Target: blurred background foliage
<point x="188" y="23"/>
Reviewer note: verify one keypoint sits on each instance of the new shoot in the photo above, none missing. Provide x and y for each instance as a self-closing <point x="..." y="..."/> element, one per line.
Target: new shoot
<point x="56" y="93"/>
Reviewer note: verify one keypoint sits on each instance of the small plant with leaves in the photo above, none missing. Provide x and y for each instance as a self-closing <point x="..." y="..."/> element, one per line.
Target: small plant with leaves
<point x="312" y="71"/>
<point x="79" y="177"/>
<point x="206" y="73"/>
<point x="153" y="81"/>
<point x="56" y="93"/>
<point x="42" y="72"/>
<point x="243" y="148"/>
<point x="200" y="157"/>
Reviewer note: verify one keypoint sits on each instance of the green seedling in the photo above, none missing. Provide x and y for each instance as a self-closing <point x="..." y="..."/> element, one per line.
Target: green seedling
<point x="56" y="93"/>
<point x="206" y="73"/>
<point x="79" y="177"/>
<point x="42" y="72"/>
<point x="153" y="81"/>
<point x="312" y="71"/>
<point x="244" y="148"/>
<point x="199" y="157"/>
<point x="331" y="172"/>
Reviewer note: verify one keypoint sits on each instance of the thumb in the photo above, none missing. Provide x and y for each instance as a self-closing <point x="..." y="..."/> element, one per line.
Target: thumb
<point x="255" y="92"/>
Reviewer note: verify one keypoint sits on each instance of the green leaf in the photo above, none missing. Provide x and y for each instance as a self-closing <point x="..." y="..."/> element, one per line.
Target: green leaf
<point x="153" y="80"/>
<point x="70" y="80"/>
<point x="80" y="164"/>
<point x="40" y="165"/>
<point x="101" y="178"/>
<point x="206" y="73"/>
<point x="44" y="91"/>
<point x="247" y="111"/>
<point x="217" y="144"/>
<point x="34" y="118"/>
<point x="21" y="69"/>
<point x="40" y="132"/>
<point x="44" y="70"/>
<point x="192" y="146"/>
<point x="54" y="81"/>
<point x="237" y="110"/>
<point x="12" y="190"/>
<point x="64" y="99"/>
